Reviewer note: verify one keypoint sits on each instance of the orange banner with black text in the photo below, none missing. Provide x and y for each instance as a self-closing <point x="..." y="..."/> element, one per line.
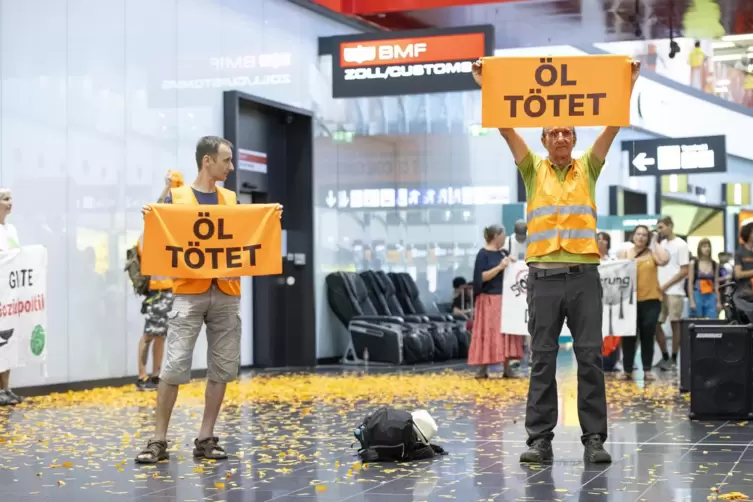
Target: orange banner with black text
<point x="211" y="242"/>
<point x="591" y="90"/>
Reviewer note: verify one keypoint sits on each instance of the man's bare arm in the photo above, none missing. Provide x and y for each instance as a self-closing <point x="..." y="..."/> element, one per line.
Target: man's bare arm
<point x="516" y="143"/>
<point x="603" y="143"/>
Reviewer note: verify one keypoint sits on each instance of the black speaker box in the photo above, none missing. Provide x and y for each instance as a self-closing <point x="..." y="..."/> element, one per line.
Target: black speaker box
<point x="685" y="348"/>
<point x="721" y="381"/>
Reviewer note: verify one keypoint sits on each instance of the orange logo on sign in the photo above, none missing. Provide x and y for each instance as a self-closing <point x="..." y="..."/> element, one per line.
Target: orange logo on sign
<point x="560" y="91"/>
<point x="212" y="242"/>
<point x="466" y="46"/>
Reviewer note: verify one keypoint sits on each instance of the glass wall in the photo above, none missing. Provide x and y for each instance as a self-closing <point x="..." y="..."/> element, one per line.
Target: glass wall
<point x="99" y="99"/>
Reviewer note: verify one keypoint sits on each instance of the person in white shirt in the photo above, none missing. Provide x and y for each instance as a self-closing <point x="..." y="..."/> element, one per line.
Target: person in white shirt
<point x="672" y="281"/>
<point x="8" y="240"/>
<point x="517" y="243"/>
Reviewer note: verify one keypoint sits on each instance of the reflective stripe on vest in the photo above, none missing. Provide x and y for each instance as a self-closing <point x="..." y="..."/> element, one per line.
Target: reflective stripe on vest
<point x="229" y="286"/>
<point x="550" y="210"/>
<point x="563" y="234"/>
<point x="561" y="215"/>
<point x="156" y="282"/>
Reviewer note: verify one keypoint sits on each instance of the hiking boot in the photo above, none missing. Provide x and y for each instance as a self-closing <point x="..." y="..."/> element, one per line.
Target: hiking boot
<point x="594" y="451"/>
<point x="539" y="452"/>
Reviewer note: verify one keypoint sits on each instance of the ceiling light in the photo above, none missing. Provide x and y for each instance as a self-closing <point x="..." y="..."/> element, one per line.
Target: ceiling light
<point x="723" y="45"/>
<point x="728" y="57"/>
<point x="735" y="38"/>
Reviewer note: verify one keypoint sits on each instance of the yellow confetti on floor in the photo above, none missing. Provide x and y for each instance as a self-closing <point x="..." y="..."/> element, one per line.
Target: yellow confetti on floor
<point x="279" y="423"/>
<point x="449" y="387"/>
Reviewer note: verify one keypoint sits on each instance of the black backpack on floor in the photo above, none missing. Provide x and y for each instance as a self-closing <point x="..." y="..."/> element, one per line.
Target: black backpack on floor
<point x="389" y="435"/>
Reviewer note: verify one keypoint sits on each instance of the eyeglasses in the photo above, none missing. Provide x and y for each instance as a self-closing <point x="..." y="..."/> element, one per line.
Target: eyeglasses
<point x="555" y="133"/>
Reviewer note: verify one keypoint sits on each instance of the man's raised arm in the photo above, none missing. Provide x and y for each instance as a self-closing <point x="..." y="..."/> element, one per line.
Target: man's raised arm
<point x="516" y="143"/>
<point x="604" y="141"/>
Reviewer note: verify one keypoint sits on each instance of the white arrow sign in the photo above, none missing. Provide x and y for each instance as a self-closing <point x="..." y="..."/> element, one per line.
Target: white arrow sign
<point x="342" y="198"/>
<point x="331" y="199"/>
<point x="642" y="160"/>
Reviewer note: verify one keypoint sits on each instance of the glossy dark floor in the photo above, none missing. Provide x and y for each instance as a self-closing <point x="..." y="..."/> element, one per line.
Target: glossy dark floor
<point x="290" y="439"/>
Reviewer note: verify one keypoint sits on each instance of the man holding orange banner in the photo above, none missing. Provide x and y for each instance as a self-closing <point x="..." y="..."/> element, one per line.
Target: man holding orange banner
<point x="205" y="249"/>
<point x="563" y="280"/>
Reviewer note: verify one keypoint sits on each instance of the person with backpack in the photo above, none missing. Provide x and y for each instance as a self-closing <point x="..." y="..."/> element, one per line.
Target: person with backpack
<point x="157" y="304"/>
<point x="703" y="283"/>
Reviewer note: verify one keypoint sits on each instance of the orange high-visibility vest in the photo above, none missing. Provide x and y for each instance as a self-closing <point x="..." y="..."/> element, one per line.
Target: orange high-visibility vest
<point x="232" y="287"/>
<point x="156" y="282"/>
<point x="561" y="215"/>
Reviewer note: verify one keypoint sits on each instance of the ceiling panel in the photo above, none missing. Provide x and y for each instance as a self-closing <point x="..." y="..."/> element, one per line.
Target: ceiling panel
<point x="543" y="22"/>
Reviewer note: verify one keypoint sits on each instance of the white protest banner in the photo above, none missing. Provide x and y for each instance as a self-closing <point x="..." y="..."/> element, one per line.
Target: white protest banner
<point x="619" y="299"/>
<point x="23" y="306"/>
<point x="514" y="301"/>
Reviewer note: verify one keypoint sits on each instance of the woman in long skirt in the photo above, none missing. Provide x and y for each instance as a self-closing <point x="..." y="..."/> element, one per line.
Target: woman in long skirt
<point x="488" y="345"/>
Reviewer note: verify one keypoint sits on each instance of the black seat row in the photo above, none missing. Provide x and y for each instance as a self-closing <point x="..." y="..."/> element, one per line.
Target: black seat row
<point x="385" y="317"/>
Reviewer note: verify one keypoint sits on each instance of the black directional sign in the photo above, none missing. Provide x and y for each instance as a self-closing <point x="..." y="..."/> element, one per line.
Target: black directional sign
<point x="659" y="157"/>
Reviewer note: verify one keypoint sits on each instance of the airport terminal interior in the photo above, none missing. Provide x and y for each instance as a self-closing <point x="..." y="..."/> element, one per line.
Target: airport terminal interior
<point x="414" y="196"/>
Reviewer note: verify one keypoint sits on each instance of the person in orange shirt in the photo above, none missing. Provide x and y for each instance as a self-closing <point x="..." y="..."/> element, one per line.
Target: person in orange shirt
<point x="198" y="302"/>
<point x="648" y="256"/>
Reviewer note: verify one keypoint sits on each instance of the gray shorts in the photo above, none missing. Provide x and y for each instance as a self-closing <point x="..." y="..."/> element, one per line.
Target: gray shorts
<point x="221" y="313"/>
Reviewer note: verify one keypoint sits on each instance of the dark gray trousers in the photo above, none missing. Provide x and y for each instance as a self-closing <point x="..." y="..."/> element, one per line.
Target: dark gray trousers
<point x="575" y="296"/>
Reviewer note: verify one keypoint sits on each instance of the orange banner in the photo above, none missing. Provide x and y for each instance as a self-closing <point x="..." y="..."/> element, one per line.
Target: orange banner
<point x="429" y="49"/>
<point x="209" y="242"/>
<point x="556" y="91"/>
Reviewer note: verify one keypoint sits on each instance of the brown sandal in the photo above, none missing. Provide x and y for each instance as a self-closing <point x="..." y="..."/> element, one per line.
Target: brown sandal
<point x="155" y="451"/>
<point x="209" y="449"/>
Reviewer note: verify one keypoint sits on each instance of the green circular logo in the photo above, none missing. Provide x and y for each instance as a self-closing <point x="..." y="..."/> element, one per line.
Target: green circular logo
<point x="37" y="340"/>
